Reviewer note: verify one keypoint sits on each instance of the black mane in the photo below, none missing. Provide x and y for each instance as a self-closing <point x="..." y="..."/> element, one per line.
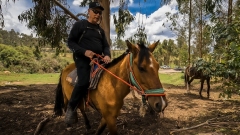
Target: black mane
<point x="143" y="53"/>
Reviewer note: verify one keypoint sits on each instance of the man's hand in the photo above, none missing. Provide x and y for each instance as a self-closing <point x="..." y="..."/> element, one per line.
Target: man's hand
<point x="89" y="54"/>
<point x="107" y="59"/>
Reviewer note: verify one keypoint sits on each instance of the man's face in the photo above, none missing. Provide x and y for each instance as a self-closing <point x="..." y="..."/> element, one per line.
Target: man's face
<point x="95" y="14"/>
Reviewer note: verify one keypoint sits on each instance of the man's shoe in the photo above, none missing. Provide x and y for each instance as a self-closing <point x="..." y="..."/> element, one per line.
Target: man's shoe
<point x="71" y="116"/>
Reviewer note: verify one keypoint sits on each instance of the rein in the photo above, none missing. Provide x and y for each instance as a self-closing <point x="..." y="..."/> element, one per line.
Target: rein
<point x="135" y="86"/>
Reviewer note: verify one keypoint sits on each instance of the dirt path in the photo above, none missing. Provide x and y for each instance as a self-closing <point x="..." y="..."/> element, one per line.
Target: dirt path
<point x="23" y="107"/>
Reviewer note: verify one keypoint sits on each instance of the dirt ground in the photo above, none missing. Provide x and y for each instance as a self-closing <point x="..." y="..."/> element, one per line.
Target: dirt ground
<point x="22" y="108"/>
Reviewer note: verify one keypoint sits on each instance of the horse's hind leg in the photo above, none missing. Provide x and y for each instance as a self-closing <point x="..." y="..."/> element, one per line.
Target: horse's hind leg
<point x="201" y="88"/>
<point x="208" y="87"/>
<point x="101" y="127"/>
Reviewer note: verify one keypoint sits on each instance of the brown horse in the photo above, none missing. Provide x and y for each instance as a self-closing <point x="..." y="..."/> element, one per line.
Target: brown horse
<point x="193" y="73"/>
<point x="137" y="67"/>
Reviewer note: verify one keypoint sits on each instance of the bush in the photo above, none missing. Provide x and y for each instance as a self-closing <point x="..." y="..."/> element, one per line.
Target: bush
<point x="21" y="59"/>
<point x="2" y="68"/>
<point x="50" y="65"/>
<point x="9" y="56"/>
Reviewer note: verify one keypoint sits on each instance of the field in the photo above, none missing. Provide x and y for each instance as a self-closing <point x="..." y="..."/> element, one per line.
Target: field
<point x="24" y="106"/>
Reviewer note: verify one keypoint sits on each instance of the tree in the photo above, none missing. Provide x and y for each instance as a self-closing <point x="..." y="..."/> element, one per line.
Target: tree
<point x="119" y="45"/>
<point x="141" y="35"/>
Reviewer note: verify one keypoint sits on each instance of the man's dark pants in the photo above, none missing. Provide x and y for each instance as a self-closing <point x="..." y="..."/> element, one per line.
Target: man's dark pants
<point x="80" y="89"/>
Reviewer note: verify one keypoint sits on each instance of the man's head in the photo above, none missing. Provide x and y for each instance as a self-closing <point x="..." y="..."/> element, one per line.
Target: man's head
<point x="95" y="12"/>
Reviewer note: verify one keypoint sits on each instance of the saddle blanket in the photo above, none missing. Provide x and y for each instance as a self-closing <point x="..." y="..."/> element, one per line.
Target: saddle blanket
<point x="95" y="75"/>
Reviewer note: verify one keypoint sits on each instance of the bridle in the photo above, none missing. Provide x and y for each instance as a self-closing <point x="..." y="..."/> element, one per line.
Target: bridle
<point x="149" y="92"/>
<point x="133" y="82"/>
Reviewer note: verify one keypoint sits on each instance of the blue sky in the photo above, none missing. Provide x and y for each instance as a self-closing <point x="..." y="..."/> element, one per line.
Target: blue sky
<point x="150" y="14"/>
<point x="142" y="7"/>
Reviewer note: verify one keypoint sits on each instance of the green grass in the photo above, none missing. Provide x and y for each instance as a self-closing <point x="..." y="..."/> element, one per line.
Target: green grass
<point x="27" y="79"/>
<point x="172" y="78"/>
<point x="52" y="78"/>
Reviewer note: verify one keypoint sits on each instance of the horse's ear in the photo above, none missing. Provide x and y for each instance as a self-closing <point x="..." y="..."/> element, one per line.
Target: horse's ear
<point x="132" y="48"/>
<point x="153" y="46"/>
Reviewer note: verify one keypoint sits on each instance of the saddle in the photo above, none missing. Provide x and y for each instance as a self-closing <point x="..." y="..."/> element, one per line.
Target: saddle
<point x="72" y="77"/>
<point x="95" y="75"/>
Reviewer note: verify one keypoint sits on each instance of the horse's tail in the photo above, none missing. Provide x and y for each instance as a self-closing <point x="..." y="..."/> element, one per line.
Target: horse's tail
<point x="59" y="102"/>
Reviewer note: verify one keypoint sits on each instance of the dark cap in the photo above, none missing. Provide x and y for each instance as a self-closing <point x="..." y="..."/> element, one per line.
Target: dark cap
<point x="95" y="5"/>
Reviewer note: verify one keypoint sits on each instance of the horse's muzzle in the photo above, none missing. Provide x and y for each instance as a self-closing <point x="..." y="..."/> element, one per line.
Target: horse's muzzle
<point x="158" y="107"/>
<point x="159" y="104"/>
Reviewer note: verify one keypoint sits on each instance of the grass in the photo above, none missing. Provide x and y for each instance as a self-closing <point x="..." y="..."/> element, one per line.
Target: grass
<point x="52" y="78"/>
<point x="172" y="78"/>
<point x="27" y="79"/>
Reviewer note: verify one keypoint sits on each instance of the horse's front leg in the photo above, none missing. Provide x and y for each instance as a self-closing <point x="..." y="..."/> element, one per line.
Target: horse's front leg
<point x="101" y="127"/>
<point x="190" y="81"/>
<point x="208" y="87"/>
<point x="109" y="120"/>
<point x="200" y="91"/>
<point x="81" y="107"/>
<point x="111" y="124"/>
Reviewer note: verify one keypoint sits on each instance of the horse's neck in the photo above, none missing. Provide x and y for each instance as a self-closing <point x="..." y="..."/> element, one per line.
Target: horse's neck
<point x="121" y="70"/>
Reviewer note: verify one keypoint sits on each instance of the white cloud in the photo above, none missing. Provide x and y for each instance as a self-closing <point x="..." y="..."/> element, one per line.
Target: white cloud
<point x="152" y="23"/>
<point x="77" y="2"/>
<point x="11" y="12"/>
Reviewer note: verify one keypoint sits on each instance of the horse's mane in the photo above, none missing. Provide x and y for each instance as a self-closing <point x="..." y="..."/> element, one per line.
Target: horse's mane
<point x="116" y="60"/>
<point x="143" y="53"/>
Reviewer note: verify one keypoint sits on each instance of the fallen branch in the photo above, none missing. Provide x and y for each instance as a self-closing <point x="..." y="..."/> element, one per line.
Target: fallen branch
<point x="40" y="125"/>
<point x="208" y="123"/>
<point x="177" y="130"/>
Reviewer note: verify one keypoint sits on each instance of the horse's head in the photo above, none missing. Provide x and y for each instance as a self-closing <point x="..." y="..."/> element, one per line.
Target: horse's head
<point x="145" y="69"/>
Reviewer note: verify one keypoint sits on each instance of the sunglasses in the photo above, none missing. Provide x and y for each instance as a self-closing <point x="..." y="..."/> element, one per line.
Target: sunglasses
<point x="97" y="11"/>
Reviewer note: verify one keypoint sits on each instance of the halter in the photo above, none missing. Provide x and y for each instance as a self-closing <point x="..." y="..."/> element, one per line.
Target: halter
<point x="150" y="92"/>
<point x="135" y="85"/>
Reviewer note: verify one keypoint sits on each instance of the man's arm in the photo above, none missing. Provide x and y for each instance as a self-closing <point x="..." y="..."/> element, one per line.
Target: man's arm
<point x="73" y="38"/>
<point x="106" y="46"/>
